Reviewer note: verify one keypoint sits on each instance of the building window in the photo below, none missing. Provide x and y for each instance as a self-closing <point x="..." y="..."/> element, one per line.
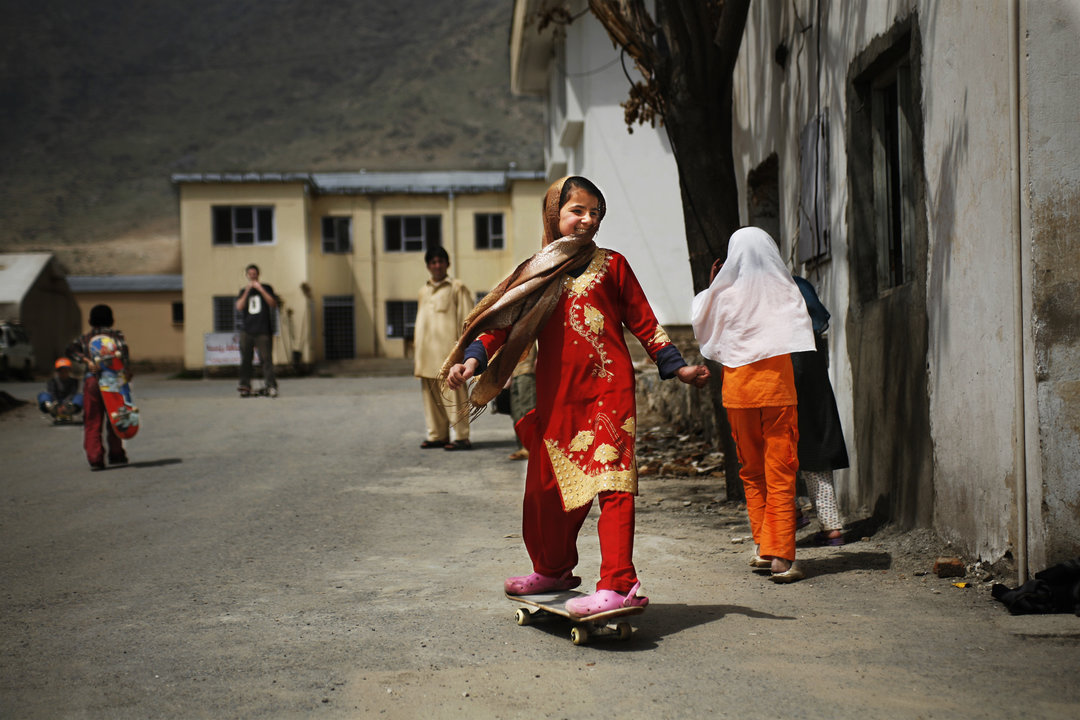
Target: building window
<point x="243" y="224"/>
<point x="400" y="318"/>
<point x="336" y="235"/>
<point x="489" y="231"/>
<point x="226" y="319"/>
<point x="178" y="313"/>
<point x="813" y="190"/>
<point x="886" y="160"/>
<point x="412" y="233"/>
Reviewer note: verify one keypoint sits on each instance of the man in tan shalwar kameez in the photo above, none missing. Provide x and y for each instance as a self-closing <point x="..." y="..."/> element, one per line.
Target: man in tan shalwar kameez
<point x="441" y="309"/>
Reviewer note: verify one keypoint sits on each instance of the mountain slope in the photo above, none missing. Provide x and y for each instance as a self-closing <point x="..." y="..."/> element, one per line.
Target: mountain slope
<point x="100" y="102"/>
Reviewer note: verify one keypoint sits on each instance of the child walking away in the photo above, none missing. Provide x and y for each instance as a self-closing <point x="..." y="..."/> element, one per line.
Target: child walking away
<point x="750" y="320"/>
<point x="573" y="299"/>
<point x="101" y="320"/>
<point x="61" y="398"/>
<point x="821" y="439"/>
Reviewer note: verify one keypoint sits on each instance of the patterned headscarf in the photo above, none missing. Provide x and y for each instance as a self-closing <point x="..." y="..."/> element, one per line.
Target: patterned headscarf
<point x="524" y="300"/>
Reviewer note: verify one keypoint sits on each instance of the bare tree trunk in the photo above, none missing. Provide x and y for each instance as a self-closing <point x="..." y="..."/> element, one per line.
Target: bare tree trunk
<point x="687" y="57"/>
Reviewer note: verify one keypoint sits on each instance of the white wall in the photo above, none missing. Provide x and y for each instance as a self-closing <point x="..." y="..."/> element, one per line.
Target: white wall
<point x="636" y="172"/>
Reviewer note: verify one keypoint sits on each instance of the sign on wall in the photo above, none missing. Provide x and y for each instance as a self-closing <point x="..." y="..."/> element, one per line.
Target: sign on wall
<point x="223" y="349"/>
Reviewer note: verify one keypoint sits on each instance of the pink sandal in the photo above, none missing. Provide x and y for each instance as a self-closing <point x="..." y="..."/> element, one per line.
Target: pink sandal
<point x="537" y="583"/>
<point x="604" y="601"/>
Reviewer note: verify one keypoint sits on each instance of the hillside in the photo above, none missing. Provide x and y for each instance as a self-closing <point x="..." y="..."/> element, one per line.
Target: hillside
<point x="100" y="102"/>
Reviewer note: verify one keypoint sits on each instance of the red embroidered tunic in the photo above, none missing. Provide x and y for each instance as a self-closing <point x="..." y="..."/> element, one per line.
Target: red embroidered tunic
<point x="585" y="408"/>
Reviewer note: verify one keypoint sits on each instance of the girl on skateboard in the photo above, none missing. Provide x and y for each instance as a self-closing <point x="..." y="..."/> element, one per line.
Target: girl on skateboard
<point x="573" y="298"/>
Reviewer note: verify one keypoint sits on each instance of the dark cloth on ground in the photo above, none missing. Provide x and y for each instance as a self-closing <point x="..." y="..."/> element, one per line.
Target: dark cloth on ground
<point x="1053" y="590"/>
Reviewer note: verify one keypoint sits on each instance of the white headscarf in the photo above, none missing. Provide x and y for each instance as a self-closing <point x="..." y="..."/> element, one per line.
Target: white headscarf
<point x="753" y="310"/>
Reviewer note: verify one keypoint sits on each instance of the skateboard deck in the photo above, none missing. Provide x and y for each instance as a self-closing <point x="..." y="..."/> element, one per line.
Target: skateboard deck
<point x="605" y="624"/>
<point x="114" y="385"/>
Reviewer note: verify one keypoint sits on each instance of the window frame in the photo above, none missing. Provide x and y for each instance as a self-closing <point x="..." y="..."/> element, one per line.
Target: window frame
<point x="217" y="310"/>
<point x="398" y="237"/>
<point x="484" y="235"/>
<point x="334" y="243"/>
<point x="227" y="229"/>
<point x="408" y="329"/>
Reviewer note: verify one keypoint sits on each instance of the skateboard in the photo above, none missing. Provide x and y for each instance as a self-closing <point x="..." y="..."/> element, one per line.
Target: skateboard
<point x="115" y="389"/>
<point x="554" y="603"/>
<point x="62" y="413"/>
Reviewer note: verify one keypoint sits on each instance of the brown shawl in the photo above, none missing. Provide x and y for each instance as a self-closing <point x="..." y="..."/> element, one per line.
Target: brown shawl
<point x="522" y="302"/>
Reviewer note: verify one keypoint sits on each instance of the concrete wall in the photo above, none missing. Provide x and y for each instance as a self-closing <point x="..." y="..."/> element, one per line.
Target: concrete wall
<point x="998" y="281"/>
<point x="1050" y="146"/>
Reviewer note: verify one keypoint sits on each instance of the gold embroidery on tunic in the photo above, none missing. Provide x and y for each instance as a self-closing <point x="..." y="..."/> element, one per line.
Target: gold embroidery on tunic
<point x="588" y="322"/>
<point x="577" y="487"/>
<point x="660" y="336"/>
<point x="605" y="454"/>
<point x="594" y="319"/>
<point x="582" y="441"/>
<point x="629" y="426"/>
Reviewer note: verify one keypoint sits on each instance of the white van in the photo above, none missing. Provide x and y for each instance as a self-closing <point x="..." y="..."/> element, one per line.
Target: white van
<point x="16" y="353"/>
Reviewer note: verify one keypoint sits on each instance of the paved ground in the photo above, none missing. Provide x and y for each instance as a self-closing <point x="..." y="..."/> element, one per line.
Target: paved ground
<point x="301" y="557"/>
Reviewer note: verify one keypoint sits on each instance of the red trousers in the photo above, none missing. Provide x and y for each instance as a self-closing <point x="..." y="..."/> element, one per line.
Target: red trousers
<point x="93" y="419"/>
<point x="767" y="442"/>
<point x="550" y="532"/>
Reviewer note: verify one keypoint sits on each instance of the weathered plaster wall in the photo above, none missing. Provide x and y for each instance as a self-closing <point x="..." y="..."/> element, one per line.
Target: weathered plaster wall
<point x="972" y="260"/>
<point x="976" y="198"/>
<point x="1051" y="141"/>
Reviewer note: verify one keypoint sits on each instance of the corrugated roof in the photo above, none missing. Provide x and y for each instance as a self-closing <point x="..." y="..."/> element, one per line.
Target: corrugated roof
<point x="18" y="272"/>
<point x="435" y="182"/>
<point x="125" y="283"/>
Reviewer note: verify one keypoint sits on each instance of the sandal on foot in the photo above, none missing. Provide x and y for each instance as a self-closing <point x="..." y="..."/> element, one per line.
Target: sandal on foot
<point x="790" y="575"/>
<point x="537" y="583"/>
<point x="429" y="444"/>
<point x="458" y="445"/>
<point x="758" y="562"/>
<point x="604" y="601"/>
<point x="822" y="539"/>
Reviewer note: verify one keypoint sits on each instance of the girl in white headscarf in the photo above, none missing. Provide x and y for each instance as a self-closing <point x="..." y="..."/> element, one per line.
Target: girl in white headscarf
<point x="750" y="320"/>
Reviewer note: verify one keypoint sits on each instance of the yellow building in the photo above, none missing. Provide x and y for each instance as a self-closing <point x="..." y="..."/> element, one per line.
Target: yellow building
<point x="147" y="308"/>
<point x="344" y="252"/>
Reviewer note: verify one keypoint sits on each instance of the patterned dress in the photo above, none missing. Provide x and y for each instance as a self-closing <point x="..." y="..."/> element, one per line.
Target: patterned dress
<point x="585" y="408"/>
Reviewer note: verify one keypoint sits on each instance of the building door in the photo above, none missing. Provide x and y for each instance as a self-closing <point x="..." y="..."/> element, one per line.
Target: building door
<point x="339" y="327"/>
<point x="887" y="323"/>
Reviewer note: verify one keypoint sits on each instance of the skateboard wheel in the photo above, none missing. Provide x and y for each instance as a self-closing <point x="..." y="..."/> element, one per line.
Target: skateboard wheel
<point x="624" y="630"/>
<point x="579" y="635"/>
<point x="524" y="617"/>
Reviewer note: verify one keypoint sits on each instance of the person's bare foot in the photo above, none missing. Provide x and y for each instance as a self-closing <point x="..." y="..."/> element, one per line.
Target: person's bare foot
<point x="780" y="565"/>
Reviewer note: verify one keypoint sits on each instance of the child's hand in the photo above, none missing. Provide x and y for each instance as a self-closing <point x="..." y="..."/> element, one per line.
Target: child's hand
<point x="696" y="375"/>
<point x="717" y="264"/>
<point x="459" y="374"/>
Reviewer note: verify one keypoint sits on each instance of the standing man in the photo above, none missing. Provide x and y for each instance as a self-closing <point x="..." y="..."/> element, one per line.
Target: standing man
<point x="256" y="304"/>
<point x="441" y="309"/>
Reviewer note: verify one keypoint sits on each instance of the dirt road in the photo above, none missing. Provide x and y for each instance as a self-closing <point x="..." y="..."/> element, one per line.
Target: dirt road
<point x="301" y="557"/>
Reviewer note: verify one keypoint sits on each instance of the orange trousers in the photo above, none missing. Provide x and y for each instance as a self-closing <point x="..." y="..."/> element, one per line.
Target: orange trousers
<point x="767" y="442"/>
